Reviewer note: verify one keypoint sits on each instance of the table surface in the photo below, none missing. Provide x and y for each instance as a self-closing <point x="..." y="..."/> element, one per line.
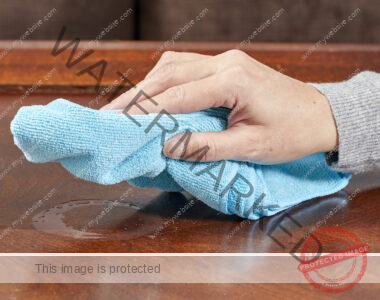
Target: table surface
<point x="71" y="203"/>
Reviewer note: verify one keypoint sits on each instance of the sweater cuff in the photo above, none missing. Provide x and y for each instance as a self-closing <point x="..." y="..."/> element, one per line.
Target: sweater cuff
<point x="355" y="104"/>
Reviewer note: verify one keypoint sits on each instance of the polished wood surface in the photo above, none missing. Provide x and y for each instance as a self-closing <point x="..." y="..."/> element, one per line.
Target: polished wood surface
<point x="31" y="61"/>
<point x="180" y="291"/>
<point x="53" y="225"/>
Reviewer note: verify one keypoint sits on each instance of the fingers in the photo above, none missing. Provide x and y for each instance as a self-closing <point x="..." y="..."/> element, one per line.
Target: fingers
<point x="164" y="78"/>
<point x="172" y="69"/>
<point x="172" y="57"/>
<point x="189" y="97"/>
<point x="230" y="144"/>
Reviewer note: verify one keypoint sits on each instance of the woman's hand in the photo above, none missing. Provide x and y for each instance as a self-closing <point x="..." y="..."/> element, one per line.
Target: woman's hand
<point x="274" y="118"/>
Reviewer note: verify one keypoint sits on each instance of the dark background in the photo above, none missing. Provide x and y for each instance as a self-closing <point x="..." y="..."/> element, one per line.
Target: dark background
<point x="226" y="20"/>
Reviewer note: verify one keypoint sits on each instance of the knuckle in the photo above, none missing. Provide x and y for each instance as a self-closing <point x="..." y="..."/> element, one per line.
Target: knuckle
<point x="232" y="58"/>
<point x="211" y="153"/>
<point x="236" y="71"/>
<point x="164" y="65"/>
<point x="200" y="142"/>
<point x="166" y="70"/>
<point x="168" y="56"/>
<point x="235" y="54"/>
<point x="164" y="74"/>
<point x="236" y="75"/>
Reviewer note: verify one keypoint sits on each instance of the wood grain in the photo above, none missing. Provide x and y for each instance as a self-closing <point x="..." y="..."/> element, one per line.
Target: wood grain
<point x="180" y="291"/>
<point x="24" y="65"/>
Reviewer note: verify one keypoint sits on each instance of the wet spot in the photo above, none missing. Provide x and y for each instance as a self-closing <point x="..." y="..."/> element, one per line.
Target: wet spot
<point x="84" y="219"/>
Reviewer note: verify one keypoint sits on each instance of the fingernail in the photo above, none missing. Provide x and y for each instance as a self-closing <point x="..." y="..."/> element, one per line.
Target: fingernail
<point x="168" y="149"/>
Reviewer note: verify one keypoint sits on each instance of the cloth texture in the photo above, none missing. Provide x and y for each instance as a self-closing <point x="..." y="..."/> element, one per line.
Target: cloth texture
<point x="356" y="107"/>
<point x="108" y="148"/>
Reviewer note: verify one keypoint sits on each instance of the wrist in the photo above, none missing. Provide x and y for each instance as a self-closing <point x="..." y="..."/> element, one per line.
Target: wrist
<point x="326" y="125"/>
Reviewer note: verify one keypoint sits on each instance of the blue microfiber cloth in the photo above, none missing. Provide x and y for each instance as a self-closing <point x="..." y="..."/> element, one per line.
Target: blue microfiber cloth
<point x="107" y="148"/>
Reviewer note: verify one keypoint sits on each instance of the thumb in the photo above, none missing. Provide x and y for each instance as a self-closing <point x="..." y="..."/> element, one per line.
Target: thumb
<point x="231" y="144"/>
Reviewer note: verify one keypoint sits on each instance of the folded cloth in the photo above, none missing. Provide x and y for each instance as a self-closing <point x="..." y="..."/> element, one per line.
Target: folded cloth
<point x="107" y="148"/>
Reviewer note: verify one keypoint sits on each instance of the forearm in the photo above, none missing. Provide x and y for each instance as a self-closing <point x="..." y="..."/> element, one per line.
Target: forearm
<point x="356" y="107"/>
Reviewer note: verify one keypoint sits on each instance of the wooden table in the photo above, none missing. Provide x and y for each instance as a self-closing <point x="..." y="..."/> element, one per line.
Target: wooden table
<point x="200" y="229"/>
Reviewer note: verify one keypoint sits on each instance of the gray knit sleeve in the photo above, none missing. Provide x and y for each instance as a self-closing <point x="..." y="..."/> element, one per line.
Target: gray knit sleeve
<point x="356" y="107"/>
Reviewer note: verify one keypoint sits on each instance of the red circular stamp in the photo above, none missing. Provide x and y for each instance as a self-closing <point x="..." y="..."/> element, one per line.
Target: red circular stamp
<point x="338" y="271"/>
